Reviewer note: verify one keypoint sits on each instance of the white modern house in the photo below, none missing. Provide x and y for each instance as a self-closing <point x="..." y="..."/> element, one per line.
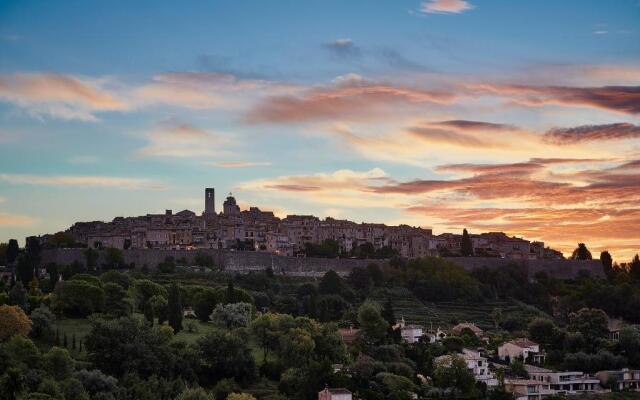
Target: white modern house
<point x="409" y="333"/>
<point x="565" y="382"/>
<point x="624" y="379"/>
<point x="521" y="348"/>
<point x="528" y="389"/>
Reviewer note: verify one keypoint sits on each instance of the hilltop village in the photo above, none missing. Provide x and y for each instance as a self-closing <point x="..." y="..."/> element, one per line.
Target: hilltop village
<point x="295" y="235"/>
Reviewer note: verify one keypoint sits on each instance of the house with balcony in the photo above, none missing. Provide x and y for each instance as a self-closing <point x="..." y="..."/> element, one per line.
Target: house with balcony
<point x="624" y="379"/>
<point x="528" y="389"/>
<point x="565" y="382"/>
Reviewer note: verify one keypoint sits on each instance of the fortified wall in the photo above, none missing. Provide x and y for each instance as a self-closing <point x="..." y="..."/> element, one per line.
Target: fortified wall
<point x="246" y="261"/>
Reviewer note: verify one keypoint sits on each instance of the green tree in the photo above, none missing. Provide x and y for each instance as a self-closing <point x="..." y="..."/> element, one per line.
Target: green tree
<point x="268" y="328"/>
<point x="634" y="268"/>
<point x="231" y="316"/>
<point x="116" y="277"/>
<point x="360" y="279"/>
<point x="466" y="246"/>
<point x="11" y="384"/>
<point x="58" y="363"/>
<point x="607" y="262"/>
<point x="43" y="322"/>
<point x="387" y="312"/>
<point x="591" y="322"/>
<point x="331" y="283"/>
<point x="543" y="331"/>
<point x="454" y="374"/>
<point x="224" y="388"/>
<point x="372" y="325"/>
<point x="158" y="308"/>
<point x="174" y="308"/>
<point x="195" y="394"/>
<point x="297" y="346"/>
<point x="127" y="345"/>
<point x="629" y="345"/>
<point x="18" y="295"/>
<point x="116" y="302"/>
<point x="77" y="298"/>
<point x="204" y="303"/>
<point x="25" y="269"/>
<point x="581" y="253"/>
<point x="167" y="266"/>
<point x="223" y="354"/>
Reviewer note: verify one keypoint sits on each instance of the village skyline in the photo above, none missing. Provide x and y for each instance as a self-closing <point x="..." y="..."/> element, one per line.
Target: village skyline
<point x="413" y="112"/>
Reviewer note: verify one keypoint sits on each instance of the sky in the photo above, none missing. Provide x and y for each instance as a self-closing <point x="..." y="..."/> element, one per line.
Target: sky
<point x="514" y="116"/>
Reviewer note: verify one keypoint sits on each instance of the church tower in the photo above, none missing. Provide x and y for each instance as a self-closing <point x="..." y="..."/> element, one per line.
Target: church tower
<point x="209" y="201"/>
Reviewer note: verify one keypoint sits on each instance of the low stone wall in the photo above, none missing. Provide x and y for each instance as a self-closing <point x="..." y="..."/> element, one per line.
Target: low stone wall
<point x="240" y="261"/>
<point x="245" y="261"/>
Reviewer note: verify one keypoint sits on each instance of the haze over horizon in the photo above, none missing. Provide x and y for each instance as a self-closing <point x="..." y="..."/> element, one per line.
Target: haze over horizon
<point x="520" y="117"/>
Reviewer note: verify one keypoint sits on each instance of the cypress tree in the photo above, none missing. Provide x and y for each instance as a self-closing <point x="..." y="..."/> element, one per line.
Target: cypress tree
<point x="466" y="247"/>
<point x="174" y="308"/>
<point x="64" y="341"/>
<point x="57" y="339"/>
<point x="231" y="293"/>
<point x="73" y="341"/>
<point x="387" y="312"/>
<point x="148" y="313"/>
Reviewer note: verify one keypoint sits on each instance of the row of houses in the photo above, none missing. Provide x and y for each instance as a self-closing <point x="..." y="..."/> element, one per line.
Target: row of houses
<point x="255" y="229"/>
<point x="542" y="382"/>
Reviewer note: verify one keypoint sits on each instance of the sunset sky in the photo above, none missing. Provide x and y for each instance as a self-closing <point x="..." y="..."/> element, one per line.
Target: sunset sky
<point x="518" y="116"/>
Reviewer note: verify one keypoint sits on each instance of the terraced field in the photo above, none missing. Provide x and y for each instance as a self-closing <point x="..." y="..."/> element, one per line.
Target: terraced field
<point x="447" y="314"/>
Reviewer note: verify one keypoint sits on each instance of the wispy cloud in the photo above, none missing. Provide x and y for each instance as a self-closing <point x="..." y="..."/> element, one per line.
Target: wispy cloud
<point x="57" y="95"/>
<point x="7" y="219"/>
<point x="343" y="48"/>
<point x="445" y="6"/>
<point x="82" y="181"/>
<point x="204" y="90"/>
<point x="622" y="99"/>
<point x="344" y="99"/>
<point x="589" y="133"/>
<point x="174" y="138"/>
<point x="238" y="164"/>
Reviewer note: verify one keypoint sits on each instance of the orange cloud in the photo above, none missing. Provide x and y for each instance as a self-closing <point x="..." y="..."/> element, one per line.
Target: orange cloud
<point x="238" y="164"/>
<point x="173" y="138"/>
<point x="589" y="133"/>
<point x="15" y="220"/>
<point x="57" y="95"/>
<point x="622" y="99"/>
<point x="348" y="99"/>
<point x="81" y="181"/>
<point x="592" y="202"/>
<point x="445" y="6"/>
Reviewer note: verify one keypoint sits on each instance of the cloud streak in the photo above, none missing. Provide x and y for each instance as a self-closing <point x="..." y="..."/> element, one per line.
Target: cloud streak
<point x="445" y="6"/>
<point x="590" y="133"/>
<point x="57" y="95"/>
<point x="82" y="181"/>
<point x="174" y="138"/>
